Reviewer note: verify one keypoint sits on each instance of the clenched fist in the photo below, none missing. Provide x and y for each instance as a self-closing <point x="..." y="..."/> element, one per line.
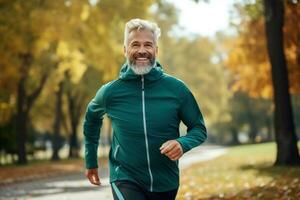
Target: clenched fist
<point x="172" y="149"/>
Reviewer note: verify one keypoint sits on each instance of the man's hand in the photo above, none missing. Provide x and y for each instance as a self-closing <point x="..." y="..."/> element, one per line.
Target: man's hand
<point x="92" y="175"/>
<point x="172" y="149"/>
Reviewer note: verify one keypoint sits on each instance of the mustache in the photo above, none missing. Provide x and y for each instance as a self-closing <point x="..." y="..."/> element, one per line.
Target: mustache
<point x="142" y="55"/>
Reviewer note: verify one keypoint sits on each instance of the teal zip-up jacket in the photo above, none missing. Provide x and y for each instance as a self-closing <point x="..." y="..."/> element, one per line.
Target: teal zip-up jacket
<point x="145" y="112"/>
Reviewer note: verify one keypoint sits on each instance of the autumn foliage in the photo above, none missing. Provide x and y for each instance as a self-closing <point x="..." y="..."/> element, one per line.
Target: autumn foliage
<point x="248" y="58"/>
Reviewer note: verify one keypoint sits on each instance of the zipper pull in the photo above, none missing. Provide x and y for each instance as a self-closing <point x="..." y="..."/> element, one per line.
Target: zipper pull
<point x="142" y="82"/>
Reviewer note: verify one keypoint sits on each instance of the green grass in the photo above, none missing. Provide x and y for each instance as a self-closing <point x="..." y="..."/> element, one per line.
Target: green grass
<point x="245" y="172"/>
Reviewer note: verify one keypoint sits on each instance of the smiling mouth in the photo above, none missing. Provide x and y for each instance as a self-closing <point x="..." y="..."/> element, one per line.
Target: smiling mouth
<point x="142" y="59"/>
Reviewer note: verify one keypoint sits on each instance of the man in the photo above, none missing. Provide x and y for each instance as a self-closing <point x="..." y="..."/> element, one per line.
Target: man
<point x="145" y="106"/>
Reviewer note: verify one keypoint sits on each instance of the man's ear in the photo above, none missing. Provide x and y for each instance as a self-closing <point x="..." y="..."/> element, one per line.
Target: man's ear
<point x="156" y="50"/>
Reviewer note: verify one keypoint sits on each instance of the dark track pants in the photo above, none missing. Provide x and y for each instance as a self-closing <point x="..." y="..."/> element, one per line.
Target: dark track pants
<point x="128" y="190"/>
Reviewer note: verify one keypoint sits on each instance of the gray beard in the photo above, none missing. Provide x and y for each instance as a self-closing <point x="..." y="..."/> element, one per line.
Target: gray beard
<point x="141" y="70"/>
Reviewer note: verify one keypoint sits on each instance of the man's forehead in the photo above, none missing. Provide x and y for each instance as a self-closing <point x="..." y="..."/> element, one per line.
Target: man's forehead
<point x="137" y="34"/>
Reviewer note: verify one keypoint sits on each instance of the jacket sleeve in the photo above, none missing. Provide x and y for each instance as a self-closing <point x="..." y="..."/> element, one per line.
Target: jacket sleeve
<point x="191" y="116"/>
<point x="91" y="127"/>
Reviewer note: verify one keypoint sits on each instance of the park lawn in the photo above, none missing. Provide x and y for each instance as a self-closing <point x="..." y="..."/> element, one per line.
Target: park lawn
<point x="244" y="172"/>
<point x="41" y="169"/>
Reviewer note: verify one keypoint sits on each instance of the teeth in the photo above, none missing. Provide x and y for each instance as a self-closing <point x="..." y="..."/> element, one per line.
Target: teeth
<point x="141" y="58"/>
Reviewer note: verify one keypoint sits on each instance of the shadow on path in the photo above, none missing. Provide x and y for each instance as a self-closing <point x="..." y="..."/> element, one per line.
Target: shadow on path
<point x="71" y="184"/>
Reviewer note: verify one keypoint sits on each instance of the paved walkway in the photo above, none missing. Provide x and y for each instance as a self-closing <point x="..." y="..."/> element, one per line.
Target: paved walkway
<point x="200" y="154"/>
<point x="77" y="187"/>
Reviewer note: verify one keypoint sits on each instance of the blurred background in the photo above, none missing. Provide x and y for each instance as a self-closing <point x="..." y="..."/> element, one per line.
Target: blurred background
<point x="54" y="55"/>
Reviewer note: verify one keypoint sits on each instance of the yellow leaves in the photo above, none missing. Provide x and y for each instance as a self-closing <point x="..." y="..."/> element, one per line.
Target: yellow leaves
<point x="85" y="13"/>
<point x="77" y="71"/>
<point x="267" y="92"/>
<point x="62" y="50"/>
<point x="17" y="7"/>
<point x="101" y="29"/>
<point x="71" y="61"/>
<point x="249" y="60"/>
<point x="254" y="79"/>
<point x="249" y="65"/>
<point x="40" y="46"/>
<point x="8" y="73"/>
<point x="291" y="53"/>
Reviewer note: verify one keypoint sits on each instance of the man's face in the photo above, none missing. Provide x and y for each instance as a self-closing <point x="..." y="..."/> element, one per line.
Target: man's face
<point x="141" y="50"/>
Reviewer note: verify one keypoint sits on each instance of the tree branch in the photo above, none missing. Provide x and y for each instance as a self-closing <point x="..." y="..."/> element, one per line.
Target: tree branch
<point x="32" y="97"/>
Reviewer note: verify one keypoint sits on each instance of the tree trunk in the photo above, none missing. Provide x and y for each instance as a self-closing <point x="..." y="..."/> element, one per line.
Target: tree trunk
<point x="24" y="104"/>
<point x="57" y="122"/>
<point x="287" y="150"/>
<point x="74" y="119"/>
<point x="253" y="132"/>
<point x="21" y="125"/>
<point x="74" y="150"/>
<point x="234" y="137"/>
<point x="75" y="103"/>
<point x="253" y="129"/>
<point x="21" y="128"/>
<point x="22" y="109"/>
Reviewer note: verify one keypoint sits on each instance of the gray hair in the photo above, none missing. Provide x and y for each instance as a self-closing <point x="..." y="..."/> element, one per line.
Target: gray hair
<point x="138" y="24"/>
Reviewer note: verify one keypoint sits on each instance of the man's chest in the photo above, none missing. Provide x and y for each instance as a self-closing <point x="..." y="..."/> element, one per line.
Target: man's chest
<point x="155" y="108"/>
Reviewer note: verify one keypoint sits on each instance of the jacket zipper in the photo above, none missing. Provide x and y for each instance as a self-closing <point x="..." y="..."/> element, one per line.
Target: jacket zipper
<point x="115" y="156"/>
<point x="116" y="151"/>
<point x="145" y="132"/>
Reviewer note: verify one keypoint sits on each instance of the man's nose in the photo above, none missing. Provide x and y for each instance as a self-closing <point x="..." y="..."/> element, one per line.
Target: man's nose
<point x="142" y="49"/>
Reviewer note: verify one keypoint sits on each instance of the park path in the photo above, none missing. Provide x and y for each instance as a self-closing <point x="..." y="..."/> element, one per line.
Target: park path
<point x="76" y="186"/>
